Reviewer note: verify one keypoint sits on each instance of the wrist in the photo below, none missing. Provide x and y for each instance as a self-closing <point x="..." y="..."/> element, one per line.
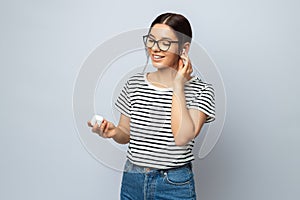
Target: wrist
<point x="178" y="87"/>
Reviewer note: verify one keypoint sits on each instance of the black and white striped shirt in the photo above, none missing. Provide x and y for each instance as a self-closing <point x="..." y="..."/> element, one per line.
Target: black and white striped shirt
<point x="149" y="108"/>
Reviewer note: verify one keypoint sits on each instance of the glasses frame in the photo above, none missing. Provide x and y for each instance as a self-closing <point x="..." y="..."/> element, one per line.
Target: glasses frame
<point x="145" y="38"/>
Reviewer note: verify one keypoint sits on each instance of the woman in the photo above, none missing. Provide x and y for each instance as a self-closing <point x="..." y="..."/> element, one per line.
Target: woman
<point x="161" y="114"/>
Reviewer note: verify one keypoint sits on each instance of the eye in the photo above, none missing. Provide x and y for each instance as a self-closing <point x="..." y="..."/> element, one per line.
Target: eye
<point x="150" y="40"/>
<point x="165" y="42"/>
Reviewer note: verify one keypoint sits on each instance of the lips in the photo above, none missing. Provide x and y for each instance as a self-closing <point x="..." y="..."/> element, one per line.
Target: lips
<point x="156" y="57"/>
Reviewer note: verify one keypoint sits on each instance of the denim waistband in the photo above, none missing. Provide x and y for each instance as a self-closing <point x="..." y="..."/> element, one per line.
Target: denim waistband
<point x="130" y="167"/>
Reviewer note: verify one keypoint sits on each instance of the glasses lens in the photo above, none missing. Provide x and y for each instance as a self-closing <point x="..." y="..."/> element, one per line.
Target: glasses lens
<point x="149" y="42"/>
<point x="164" y="45"/>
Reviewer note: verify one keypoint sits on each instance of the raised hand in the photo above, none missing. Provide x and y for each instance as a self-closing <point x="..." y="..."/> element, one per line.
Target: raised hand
<point x="184" y="70"/>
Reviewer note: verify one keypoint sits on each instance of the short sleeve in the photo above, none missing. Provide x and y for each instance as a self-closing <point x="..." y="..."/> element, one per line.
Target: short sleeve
<point x="204" y="101"/>
<point x="123" y="103"/>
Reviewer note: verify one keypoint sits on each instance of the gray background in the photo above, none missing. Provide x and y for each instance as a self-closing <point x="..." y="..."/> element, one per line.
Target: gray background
<point x="255" y="45"/>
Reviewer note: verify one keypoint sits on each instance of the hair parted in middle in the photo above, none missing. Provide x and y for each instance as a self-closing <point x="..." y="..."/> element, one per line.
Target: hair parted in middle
<point x="177" y="22"/>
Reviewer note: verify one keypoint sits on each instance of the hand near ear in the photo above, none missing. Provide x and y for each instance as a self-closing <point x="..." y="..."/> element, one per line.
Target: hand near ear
<point x="184" y="70"/>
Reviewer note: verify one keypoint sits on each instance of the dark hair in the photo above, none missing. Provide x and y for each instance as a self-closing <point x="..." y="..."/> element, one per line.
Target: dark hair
<point x="178" y="23"/>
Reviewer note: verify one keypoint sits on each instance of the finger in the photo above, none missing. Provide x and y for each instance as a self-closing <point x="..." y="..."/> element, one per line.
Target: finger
<point x="107" y="127"/>
<point x="105" y="135"/>
<point x="95" y="128"/>
<point x="103" y="126"/>
<point x="103" y="129"/>
<point x="180" y="64"/>
<point x="89" y="124"/>
<point x="98" y="129"/>
<point x="189" y="67"/>
<point x="183" y="61"/>
<point x="185" y="57"/>
<point x="186" y="65"/>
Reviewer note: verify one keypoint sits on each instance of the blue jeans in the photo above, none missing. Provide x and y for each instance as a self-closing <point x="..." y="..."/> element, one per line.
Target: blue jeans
<point x="141" y="183"/>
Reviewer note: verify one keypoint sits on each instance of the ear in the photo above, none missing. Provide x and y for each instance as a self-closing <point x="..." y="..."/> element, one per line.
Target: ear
<point x="186" y="46"/>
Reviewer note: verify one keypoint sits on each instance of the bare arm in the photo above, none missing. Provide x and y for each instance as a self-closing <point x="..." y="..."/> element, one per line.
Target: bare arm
<point x="186" y="123"/>
<point x="120" y="133"/>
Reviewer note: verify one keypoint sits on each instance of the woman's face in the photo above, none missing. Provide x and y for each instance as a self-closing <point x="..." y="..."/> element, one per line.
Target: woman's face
<point x="162" y="59"/>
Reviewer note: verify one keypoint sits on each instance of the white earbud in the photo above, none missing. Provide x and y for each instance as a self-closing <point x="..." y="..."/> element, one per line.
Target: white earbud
<point x="97" y="119"/>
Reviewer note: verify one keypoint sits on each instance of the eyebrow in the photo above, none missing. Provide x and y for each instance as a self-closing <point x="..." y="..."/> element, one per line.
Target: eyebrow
<point x="161" y="38"/>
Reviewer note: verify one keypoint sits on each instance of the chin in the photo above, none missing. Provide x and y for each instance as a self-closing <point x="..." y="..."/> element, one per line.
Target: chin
<point x="159" y="65"/>
<point x="162" y="65"/>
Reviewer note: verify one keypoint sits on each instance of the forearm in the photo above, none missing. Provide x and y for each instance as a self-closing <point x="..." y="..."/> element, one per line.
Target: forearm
<point x="181" y="122"/>
<point x="122" y="135"/>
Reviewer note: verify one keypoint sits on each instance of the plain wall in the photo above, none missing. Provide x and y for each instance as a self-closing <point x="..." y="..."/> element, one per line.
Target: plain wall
<point x="255" y="45"/>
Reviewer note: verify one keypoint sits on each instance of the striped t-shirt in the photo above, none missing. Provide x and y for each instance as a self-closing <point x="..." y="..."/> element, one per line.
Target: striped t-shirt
<point x="149" y="107"/>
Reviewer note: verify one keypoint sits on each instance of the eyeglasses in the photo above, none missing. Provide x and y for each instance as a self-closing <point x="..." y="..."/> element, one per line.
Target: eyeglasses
<point x="163" y="44"/>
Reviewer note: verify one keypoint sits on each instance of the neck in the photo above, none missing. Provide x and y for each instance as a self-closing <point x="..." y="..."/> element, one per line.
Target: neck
<point x="165" y="77"/>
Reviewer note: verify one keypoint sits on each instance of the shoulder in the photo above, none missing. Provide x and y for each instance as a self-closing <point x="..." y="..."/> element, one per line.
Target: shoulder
<point x="135" y="80"/>
<point x="198" y="85"/>
<point x="137" y="77"/>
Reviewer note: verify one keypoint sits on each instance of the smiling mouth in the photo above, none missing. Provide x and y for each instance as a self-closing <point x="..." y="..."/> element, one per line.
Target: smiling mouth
<point x="157" y="57"/>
